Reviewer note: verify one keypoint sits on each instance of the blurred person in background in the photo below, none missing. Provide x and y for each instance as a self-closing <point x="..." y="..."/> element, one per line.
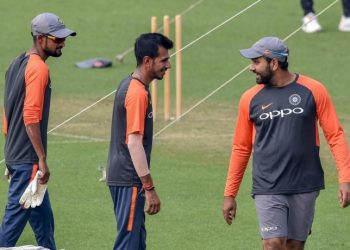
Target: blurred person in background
<point x="311" y="23"/>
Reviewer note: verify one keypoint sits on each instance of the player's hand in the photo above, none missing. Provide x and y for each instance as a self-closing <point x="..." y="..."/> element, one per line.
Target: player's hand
<point x="344" y="194"/>
<point x="44" y="168"/>
<point x="152" y="202"/>
<point x="229" y="209"/>
<point x="33" y="195"/>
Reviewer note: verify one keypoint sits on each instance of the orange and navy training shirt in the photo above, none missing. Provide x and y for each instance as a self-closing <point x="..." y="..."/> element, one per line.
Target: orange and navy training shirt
<point x="280" y="126"/>
<point x="26" y="101"/>
<point x="132" y="113"/>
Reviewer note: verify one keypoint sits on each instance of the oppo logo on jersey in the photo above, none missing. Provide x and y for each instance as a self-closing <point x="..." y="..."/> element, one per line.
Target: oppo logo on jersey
<point x="280" y="113"/>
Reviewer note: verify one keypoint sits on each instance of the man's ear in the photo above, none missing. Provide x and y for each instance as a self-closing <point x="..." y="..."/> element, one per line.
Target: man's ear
<point x="147" y="61"/>
<point x="40" y="38"/>
<point x="275" y="64"/>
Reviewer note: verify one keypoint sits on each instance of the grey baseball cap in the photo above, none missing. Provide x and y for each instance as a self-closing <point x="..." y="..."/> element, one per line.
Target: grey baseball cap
<point x="50" y="24"/>
<point x="270" y="46"/>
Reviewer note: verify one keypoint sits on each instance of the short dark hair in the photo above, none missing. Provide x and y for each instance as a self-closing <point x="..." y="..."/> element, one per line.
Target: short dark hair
<point x="34" y="37"/>
<point x="283" y="65"/>
<point x="147" y="45"/>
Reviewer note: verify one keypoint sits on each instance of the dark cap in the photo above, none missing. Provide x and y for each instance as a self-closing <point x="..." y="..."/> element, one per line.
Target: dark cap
<point x="50" y="24"/>
<point x="270" y="46"/>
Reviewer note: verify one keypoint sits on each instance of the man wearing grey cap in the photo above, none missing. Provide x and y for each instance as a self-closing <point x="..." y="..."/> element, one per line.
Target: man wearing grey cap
<point x="26" y="113"/>
<point x="278" y="120"/>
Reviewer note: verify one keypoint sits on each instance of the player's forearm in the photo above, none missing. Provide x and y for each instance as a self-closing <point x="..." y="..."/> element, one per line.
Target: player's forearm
<point x="341" y="154"/>
<point x="34" y="134"/>
<point x="139" y="159"/>
<point x="233" y="183"/>
<point x="235" y="173"/>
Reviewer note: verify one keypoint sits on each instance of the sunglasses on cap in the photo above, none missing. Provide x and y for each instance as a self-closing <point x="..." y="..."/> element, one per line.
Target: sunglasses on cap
<point x="55" y="39"/>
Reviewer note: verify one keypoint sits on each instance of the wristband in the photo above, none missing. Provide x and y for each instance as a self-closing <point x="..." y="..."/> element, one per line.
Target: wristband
<point x="148" y="186"/>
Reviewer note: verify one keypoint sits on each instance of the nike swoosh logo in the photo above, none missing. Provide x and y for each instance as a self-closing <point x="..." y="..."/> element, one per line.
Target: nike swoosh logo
<point x="266" y="106"/>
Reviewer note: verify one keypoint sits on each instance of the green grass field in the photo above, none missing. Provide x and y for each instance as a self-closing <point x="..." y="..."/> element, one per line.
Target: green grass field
<point x="190" y="159"/>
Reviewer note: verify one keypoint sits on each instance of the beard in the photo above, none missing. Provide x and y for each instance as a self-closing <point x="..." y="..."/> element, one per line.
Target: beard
<point x="159" y="75"/>
<point x="264" y="77"/>
<point x="53" y="53"/>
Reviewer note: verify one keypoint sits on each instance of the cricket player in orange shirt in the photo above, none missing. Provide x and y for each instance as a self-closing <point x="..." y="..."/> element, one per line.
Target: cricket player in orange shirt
<point x="278" y="121"/>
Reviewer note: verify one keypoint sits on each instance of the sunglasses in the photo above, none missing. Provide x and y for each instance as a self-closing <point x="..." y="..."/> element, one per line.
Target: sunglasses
<point x="56" y="39"/>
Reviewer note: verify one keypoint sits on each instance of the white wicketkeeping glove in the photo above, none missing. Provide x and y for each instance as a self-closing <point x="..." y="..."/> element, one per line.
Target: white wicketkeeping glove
<point x="34" y="194"/>
<point x="38" y="196"/>
<point x="7" y="174"/>
<point x="102" y="169"/>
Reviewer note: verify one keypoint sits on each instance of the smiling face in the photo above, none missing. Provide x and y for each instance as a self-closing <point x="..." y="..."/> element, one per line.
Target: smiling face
<point x="160" y="64"/>
<point x="262" y="70"/>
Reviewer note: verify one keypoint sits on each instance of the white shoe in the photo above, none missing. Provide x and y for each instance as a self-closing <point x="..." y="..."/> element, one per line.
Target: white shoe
<point x="311" y="24"/>
<point x="344" y="24"/>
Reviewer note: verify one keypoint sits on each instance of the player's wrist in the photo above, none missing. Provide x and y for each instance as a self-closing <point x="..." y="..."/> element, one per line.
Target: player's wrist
<point x="229" y="197"/>
<point x="42" y="158"/>
<point x="148" y="186"/>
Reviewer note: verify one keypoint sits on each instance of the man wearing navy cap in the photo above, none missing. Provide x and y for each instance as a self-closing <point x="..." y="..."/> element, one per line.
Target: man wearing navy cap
<point x="278" y="121"/>
<point x="26" y="113"/>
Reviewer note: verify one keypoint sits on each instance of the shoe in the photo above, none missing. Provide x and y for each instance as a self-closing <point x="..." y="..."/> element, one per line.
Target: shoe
<point x="344" y="24"/>
<point x="311" y="24"/>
